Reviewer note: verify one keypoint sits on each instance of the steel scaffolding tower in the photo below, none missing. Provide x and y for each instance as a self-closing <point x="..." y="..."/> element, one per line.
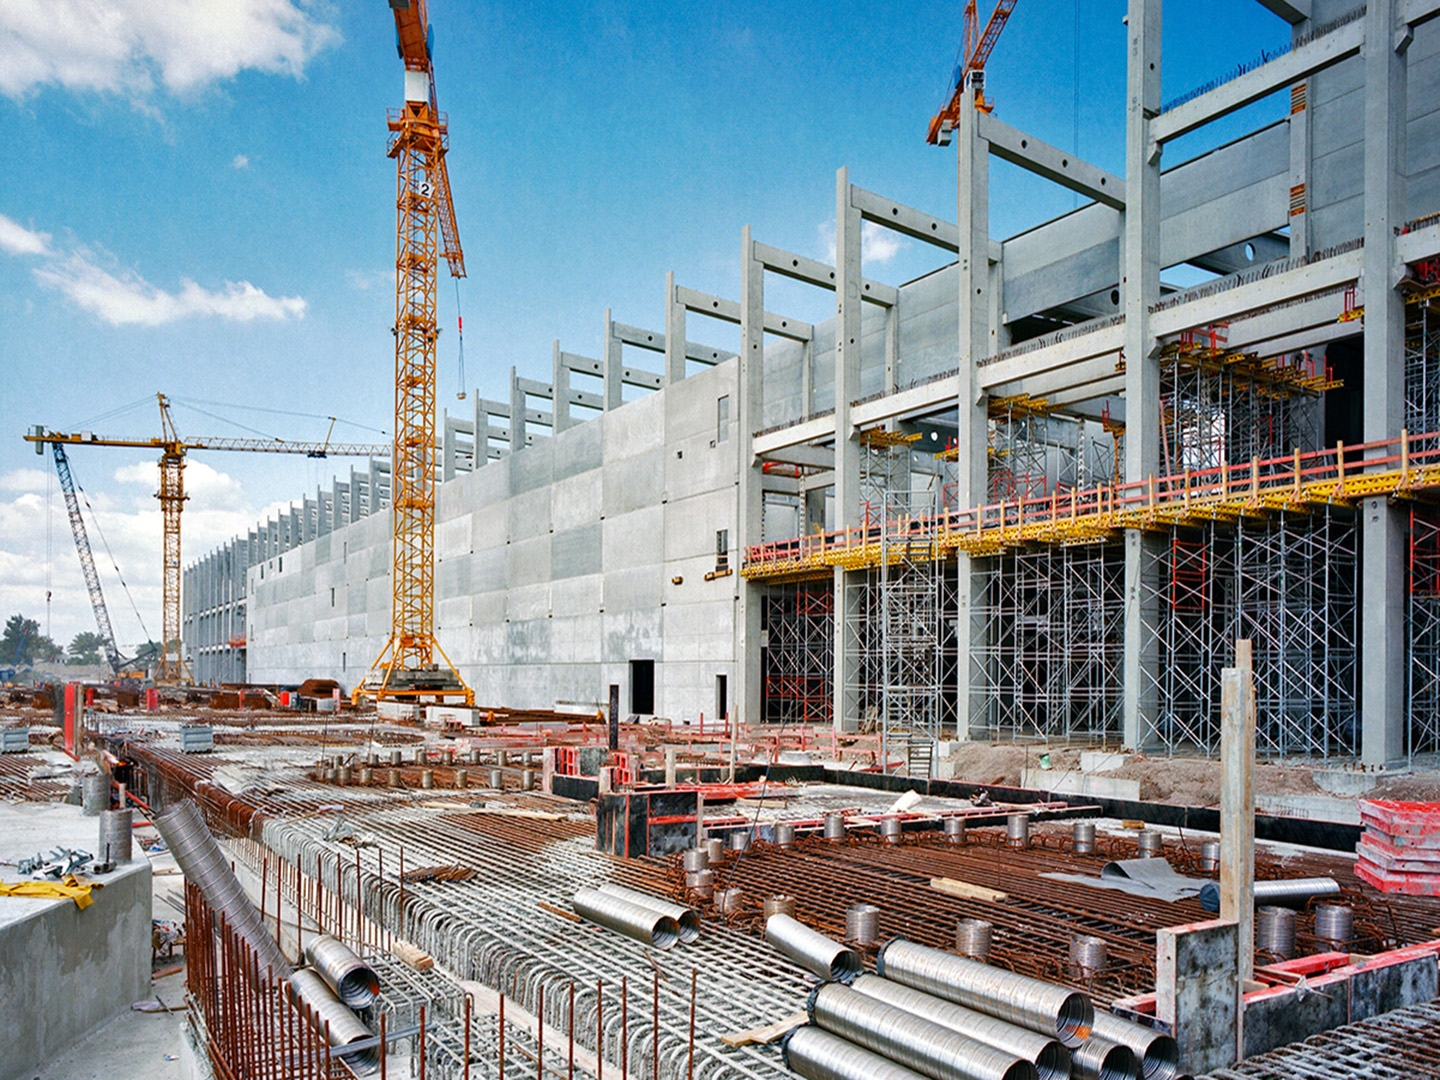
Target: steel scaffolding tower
<point x="1220" y="407"/>
<point x="1423" y="681"/>
<point x="1287" y="584"/>
<point x="799" y="620"/>
<point x="1051" y="647"/>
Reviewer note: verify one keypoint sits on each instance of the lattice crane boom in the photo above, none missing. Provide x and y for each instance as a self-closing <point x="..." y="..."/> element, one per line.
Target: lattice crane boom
<point x="978" y="45"/>
<point x="173" y="448"/>
<point x="87" y="556"/>
<point x="407" y="667"/>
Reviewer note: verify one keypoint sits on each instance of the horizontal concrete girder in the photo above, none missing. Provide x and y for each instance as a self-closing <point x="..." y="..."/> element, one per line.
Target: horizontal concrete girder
<point x="814" y="272"/>
<point x="717" y="307"/>
<point x="1061" y="166"/>
<point x="1277" y="74"/>
<point x="905" y="220"/>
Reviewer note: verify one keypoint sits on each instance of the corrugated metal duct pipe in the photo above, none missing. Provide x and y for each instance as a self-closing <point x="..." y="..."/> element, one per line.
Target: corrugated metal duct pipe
<point x="815" y="1054"/>
<point x="1159" y="1055"/>
<point x="353" y="980"/>
<point x="910" y="1040"/>
<point x="812" y="950"/>
<point x="1051" y="1059"/>
<point x="686" y="918"/>
<point x="1052" y="1010"/>
<point x="1101" y="1059"/>
<point x="641" y="923"/>
<point x="205" y="866"/>
<point x="306" y="987"/>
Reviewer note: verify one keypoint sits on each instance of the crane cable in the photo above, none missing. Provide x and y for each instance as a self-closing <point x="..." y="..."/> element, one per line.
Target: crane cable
<point x="95" y="520"/>
<point x="460" y="334"/>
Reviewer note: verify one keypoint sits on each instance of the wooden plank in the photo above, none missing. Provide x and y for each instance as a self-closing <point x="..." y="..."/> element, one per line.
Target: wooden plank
<point x="965" y="891"/>
<point x="767" y="1034"/>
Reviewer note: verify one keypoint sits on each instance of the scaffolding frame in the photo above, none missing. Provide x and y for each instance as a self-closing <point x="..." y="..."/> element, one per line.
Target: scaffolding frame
<point x="1051" y="644"/>
<point x="799" y="621"/>
<point x="1423" y="618"/>
<point x="1288" y="584"/>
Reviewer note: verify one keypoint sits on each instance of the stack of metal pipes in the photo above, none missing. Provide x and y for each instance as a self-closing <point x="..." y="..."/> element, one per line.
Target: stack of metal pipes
<point x="932" y="1014"/>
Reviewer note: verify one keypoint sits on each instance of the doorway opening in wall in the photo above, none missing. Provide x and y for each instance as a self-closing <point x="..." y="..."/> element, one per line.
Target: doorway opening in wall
<point x="722" y="696"/>
<point x="642" y="687"/>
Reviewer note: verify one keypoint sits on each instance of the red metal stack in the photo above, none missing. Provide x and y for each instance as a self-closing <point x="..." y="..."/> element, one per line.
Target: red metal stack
<point x="1400" y="848"/>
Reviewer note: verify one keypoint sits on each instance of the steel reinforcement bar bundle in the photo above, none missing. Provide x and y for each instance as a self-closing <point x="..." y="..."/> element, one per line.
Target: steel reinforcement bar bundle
<point x="508" y="927"/>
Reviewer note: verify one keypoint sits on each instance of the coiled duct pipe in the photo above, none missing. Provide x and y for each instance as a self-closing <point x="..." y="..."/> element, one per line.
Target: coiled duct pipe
<point x="353" y="980"/>
<point x="815" y="1054"/>
<point x="1101" y="1059"/>
<point x="206" y="867"/>
<point x="306" y="987"/>
<point x="686" y="918"/>
<point x="1158" y="1053"/>
<point x="641" y="923"/>
<point x="1051" y="1059"/>
<point x="1051" y="1010"/>
<point x="811" y="950"/>
<point x="910" y="1040"/>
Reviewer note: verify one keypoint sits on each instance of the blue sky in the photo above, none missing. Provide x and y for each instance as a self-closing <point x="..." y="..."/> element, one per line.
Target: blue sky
<point x="196" y="200"/>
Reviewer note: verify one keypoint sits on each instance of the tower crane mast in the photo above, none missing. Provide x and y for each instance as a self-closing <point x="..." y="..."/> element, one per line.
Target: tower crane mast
<point x="173" y="448"/>
<point x="412" y="665"/>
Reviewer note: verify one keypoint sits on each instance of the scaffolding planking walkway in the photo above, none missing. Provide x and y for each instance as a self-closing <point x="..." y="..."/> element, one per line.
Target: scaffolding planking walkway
<point x="1300" y="482"/>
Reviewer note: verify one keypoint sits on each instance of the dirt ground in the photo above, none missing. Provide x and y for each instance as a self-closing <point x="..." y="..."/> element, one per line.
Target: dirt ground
<point x="1183" y="781"/>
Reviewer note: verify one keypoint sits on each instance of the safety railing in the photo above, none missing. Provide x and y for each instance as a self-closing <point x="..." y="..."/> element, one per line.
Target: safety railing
<point x="1330" y="476"/>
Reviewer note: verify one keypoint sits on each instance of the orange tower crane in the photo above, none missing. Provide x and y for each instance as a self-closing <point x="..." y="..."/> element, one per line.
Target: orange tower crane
<point x="173" y="448"/>
<point x="407" y="667"/>
<point x="977" y="49"/>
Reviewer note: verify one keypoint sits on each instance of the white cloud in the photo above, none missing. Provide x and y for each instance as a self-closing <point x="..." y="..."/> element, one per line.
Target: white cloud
<point x="32" y="481"/>
<point x="124" y="298"/>
<point x="240" y="161"/>
<point x="15" y="239"/>
<point x="126" y="46"/>
<point x="365" y="280"/>
<point x="877" y="244"/>
<point x="120" y="506"/>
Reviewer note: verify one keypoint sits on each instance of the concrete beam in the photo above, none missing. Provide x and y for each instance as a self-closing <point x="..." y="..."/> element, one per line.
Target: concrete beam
<point x="814" y="272"/>
<point x="717" y="307"/>
<point x="1258" y="295"/>
<point x="1421" y="244"/>
<point x="920" y="400"/>
<point x="1415" y="12"/>
<point x="534" y="387"/>
<point x="807" y="457"/>
<point x="1070" y="377"/>
<point x="1007" y="368"/>
<point x="807" y="431"/>
<point x="1042" y="159"/>
<point x="905" y="220"/>
<point x="1292" y="11"/>
<point x="1298" y="64"/>
<point x="1232" y="259"/>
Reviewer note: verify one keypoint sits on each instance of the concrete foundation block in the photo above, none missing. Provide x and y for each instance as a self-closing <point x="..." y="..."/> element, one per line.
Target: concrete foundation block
<point x="1197" y="986"/>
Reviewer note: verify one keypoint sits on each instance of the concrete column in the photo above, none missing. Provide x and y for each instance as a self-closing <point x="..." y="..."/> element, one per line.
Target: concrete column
<point x="517" y="414"/>
<point x="674" y="333"/>
<point x="1237" y="803"/>
<point x="975" y="337"/>
<point x="614" y="360"/>
<point x="1383" y="708"/>
<point x="1140" y="288"/>
<point x="560" y="391"/>
<point x="847" y="449"/>
<point x="750" y="398"/>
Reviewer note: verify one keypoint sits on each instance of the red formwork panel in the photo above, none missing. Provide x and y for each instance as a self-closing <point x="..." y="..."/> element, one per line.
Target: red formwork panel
<point x="1376" y="848"/>
<point x="1397" y="881"/>
<point x="1405" y="824"/>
